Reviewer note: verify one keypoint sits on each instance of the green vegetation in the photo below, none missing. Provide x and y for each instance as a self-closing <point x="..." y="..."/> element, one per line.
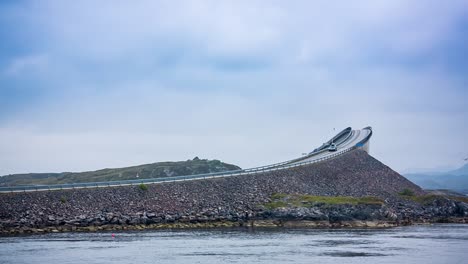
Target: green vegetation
<point x="406" y="192"/>
<point x="429" y="198"/>
<point x="154" y="170"/>
<point x="275" y="204"/>
<point x="459" y="198"/>
<point x="277" y="196"/>
<point x="425" y="199"/>
<point x="284" y="200"/>
<point x="63" y="199"/>
<point x="143" y="187"/>
<point x="422" y="199"/>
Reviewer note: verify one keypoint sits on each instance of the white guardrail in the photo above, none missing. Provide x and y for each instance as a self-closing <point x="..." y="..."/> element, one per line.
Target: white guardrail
<point x="273" y="167"/>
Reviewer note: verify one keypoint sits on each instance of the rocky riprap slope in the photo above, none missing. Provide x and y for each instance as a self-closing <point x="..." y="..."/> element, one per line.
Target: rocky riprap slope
<point x="237" y="199"/>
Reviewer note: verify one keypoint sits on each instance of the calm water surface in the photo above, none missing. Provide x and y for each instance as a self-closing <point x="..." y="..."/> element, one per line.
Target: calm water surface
<point x="444" y="243"/>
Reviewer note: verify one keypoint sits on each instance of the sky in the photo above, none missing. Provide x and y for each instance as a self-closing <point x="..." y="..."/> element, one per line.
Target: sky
<point x="86" y="85"/>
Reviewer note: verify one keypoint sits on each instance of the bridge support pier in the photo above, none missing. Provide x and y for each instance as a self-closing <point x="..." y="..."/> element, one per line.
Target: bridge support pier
<point x="366" y="146"/>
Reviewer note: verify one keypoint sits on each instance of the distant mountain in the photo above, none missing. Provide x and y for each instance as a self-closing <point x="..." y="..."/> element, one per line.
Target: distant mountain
<point x="461" y="171"/>
<point x="456" y="180"/>
<point x="154" y="170"/>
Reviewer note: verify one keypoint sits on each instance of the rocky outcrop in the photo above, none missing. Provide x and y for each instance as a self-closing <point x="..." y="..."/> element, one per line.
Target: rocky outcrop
<point x="235" y="200"/>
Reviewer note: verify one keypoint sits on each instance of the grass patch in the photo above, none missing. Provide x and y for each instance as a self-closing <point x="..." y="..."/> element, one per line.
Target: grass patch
<point x="284" y="200"/>
<point x="429" y="198"/>
<point x="339" y="199"/>
<point x="275" y="204"/>
<point x="277" y="196"/>
<point x="143" y="187"/>
<point x="460" y="199"/>
<point x="422" y="199"/>
<point x="425" y="199"/>
<point x="63" y="199"/>
<point x="406" y="192"/>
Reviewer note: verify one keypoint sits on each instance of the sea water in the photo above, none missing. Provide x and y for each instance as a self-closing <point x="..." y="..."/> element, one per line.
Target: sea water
<point x="440" y="243"/>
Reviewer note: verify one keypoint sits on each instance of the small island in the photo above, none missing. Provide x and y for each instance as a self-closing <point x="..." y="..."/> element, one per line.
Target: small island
<point x="350" y="190"/>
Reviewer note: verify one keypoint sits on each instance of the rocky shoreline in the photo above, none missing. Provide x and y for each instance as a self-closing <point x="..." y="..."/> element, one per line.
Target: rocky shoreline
<point x="353" y="190"/>
<point x="440" y="209"/>
<point x="267" y="223"/>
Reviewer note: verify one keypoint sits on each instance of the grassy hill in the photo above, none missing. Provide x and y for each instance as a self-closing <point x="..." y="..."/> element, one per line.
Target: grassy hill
<point x="153" y="170"/>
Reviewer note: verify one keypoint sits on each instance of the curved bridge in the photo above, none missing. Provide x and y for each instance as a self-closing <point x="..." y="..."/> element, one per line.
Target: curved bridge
<point x="345" y="141"/>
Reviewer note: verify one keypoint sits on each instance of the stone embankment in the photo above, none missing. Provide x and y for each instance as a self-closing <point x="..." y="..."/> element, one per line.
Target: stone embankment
<point x="233" y="201"/>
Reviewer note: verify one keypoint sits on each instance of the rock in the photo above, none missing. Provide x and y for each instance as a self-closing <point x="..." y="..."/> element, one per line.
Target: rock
<point x="151" y="215"/>
<point x="135" y="221"/>
<point x="169" y="218"/>
<point x="109" y="216"/>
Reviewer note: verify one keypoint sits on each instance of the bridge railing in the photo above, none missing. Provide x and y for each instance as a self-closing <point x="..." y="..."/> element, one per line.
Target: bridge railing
<point x="273" y="167"/>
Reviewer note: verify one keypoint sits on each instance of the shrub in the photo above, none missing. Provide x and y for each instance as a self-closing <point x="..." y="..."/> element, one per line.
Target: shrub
<point x="63" y="199"/>
<point x="143" y="187"/>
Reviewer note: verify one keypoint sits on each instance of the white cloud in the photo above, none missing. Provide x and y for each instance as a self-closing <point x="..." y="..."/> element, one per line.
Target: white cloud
<point x="231" y="28"/>
<point x="319" y="78"/>
<point x="27" y="64"/>
<point x="146" y="122"/>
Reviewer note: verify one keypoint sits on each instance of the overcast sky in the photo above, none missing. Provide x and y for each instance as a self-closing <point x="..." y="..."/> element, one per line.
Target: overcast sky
<point x="93" y="84"/>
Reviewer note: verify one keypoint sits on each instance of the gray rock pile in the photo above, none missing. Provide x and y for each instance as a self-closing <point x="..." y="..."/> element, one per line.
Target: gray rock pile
<point x="236" y="199"/>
